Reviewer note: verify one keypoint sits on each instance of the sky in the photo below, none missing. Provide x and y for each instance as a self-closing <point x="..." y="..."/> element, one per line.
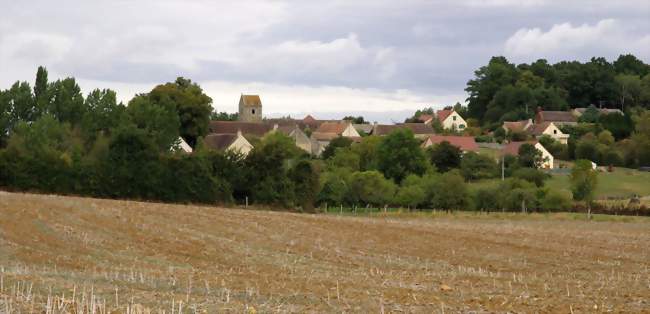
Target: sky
<point x="380" y="58"/>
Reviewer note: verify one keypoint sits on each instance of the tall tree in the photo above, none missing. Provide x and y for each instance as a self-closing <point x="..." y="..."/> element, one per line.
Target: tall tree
<point x="445" y="156"/>
<point x="160" y="122"/>
<point x="487" y="82"/>
<point x="529" y="156"/>
<point x="399" y="154"/>
<point x="192" y="105"/>
<point x="41" y="89"/>
<point x="103" y="113"/>
<point x="629" y="64"/>
<point x="67" y="103"/>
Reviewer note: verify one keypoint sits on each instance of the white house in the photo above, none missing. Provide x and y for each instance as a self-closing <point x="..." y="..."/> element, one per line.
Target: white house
<point x="512" y="148"/>
<point x="228" y="142"/>
<point x="549" y="128"/>
<point x="450" y="119"/>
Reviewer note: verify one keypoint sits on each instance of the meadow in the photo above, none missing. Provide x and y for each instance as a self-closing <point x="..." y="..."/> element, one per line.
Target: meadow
<point x="82" y="255"/>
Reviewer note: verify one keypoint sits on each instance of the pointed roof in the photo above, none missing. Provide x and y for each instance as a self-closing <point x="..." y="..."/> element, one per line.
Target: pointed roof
<point x="333" y="127"/>
<point x="539" y="128"/>
<point x="308" y="119"/>
<point x="425" y="117"/>
<point x="465" y="143"/>
<point x="219" y="141"/>
<point x="512" y="148"/>
<point x="443" y="114"/>
<point x="517" y="126"/>
<point x="251" y="100"/>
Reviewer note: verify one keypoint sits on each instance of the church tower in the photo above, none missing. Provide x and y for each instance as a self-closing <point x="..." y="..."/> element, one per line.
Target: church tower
<point x="250" y="108"/>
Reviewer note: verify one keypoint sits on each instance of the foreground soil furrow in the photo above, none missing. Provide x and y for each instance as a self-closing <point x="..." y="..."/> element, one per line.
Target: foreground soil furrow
<point x="152" y="256"/>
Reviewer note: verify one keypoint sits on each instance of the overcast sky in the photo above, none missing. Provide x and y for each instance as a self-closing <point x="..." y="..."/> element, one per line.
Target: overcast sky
<point x="387" y="57"/>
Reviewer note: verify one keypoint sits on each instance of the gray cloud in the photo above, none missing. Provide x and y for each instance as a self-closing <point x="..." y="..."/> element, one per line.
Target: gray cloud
<point x="413" y="52"/>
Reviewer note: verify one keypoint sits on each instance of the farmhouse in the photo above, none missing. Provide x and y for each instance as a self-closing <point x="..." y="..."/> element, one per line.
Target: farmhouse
<point x="328" y="131"/>
<point x="228" y="142"/>
<point x="549" y="128"/>
<point x="464" y="143"/>
<point x="298" y="136"/>
<point x="451" y="120"/>
<point x="512" y="149"/>
<point x="560" y="118"/>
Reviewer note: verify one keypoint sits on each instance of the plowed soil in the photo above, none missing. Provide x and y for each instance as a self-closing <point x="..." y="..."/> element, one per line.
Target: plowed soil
<point x="127" y="255"/>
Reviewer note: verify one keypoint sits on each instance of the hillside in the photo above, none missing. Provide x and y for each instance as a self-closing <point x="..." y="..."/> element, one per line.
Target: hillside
<point x="122" y="255"/>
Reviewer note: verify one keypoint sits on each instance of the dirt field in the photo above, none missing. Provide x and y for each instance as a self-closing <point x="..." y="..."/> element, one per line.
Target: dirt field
<point x="64" y="253"/>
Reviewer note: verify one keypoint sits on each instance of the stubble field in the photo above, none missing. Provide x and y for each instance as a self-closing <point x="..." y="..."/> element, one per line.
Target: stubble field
<point x="69" y="254"/>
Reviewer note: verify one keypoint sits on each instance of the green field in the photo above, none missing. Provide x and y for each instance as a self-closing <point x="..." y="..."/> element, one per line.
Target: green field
<point x="620" y="183"/>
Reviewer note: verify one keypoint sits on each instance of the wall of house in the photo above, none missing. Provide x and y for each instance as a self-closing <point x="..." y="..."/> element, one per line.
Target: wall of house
<point x="450" y="123"/>
<point x="549" y="160"/>
<point x="241" y="145"/>
<point x="350" y="131"/>
<point x="555" y="133"/>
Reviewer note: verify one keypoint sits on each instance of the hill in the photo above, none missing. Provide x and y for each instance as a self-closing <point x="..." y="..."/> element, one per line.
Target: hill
<point x="126" y="256"/>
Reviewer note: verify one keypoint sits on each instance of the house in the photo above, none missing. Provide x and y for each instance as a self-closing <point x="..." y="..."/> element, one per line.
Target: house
<point x="255" y="129"/>
<point x="450" y="119"/>
<point x="517" y="126"/>
<point x="183" y="146"/>
<point x="549" y="128"/>
<point x="426" y="118"/>
<point x="250" y="108"/>
<point x="420" y="130"/>
<point x="298" y="136"/>
<point x="512" y="149"/>
<point x="366" y="128"/>
<point x="228" y="142"/>
<point x="577" y="112"/>
<point x="464" y="143"/>
<point x="559" y="118"/>
<point x="327" y="131"/>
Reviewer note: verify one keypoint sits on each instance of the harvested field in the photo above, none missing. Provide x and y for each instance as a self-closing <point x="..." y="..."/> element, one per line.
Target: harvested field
<point x="63" y="253"/>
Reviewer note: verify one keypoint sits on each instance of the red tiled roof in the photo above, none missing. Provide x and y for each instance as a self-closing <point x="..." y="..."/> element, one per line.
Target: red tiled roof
<point x="425" y="117"/>
<point x="465" y="143"/>
<point x="247" y="128"/>
<point x="516" y="126"/>
<point x="443" y="114"/>
<point x="538" y="129"/>
<point x="332" y="127"/>
<point x="308" y="119"/>
<point x="512" y="148"/>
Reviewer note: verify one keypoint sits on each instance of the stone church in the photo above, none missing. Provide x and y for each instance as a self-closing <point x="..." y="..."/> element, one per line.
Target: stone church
<point x="250" y="108"/>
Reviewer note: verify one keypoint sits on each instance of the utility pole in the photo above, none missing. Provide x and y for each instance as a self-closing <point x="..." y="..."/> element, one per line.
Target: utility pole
<point x="503" y="168"/>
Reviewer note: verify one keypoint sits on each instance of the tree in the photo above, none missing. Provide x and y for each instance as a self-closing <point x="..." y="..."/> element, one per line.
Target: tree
<point x="371" y="187"/>
<point x="399" y="154"/>
<point x="629" y="64"/>
<point x="20" y="103"/>
<point x="451" y="192"/>
<point x="629" y="89"/>
<point x="67" y="103"/>
<point x="529" y="156"/>
<point x="531" y="175"/>
<point x="474" y="166"/>
<point x="367" y="152"/>
<point x="103" y="113"/>
<point x="355" y="120"/>
<point x="487" y="82"/>
<point x="591" y="115"/>
<point x="445" y="156"/>
<point x="41" y="92"/>
<point x="159" y="121"/>
<point x="621" y="126"/>
<point x="305" y="179"/>
<point x="584" y="180"/>
<point x="192" y="106"/>
<point x="334" y="188"/>
<point x="410" y="196"/>
<point x="344" y="158"/>
<point x="338" y="142"/>
<point x="224" y="116"/>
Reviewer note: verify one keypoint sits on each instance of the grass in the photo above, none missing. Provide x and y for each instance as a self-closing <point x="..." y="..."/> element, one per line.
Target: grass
<point x="622" y="183"/>
<point x="71" y="254"/>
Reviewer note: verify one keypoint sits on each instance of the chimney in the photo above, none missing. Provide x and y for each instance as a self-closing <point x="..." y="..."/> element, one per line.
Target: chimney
<point x="239" y="133"/>
<point x="539" y="109"/>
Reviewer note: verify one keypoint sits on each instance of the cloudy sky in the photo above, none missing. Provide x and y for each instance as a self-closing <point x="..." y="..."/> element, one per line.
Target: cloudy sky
<point x="381" y="58"/>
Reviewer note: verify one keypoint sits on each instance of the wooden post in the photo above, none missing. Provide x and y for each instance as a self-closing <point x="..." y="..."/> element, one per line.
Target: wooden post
<point x="246" y="206"/>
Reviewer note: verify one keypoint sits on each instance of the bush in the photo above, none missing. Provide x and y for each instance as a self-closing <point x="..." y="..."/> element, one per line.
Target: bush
<point x="486" y="199"/>
<point x="531" y="175"/>
<point x="370" y="187"/>
<point x="556" y="201"/>
<point x="450" y="192"/>
<point x="474" y="166"/>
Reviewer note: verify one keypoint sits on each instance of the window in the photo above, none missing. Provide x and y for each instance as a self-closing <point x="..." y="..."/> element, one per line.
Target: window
<point x="554" y="131"/>
<point x="454" y="118"/>
<point x="253" y="111"/>
<point x="461" y="126"/>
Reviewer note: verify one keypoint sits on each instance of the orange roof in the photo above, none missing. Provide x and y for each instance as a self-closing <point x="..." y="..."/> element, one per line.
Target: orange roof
<point x="332" y="127"/>
<point x="465" y="143"/>
<point x="512" y="148"/>
<point x="443" y="114"/>
<point x="538" y="129"/>
<point x="425" y="117"/>
<point x="516" y="126"/>
<point x="308" y="119"/>
<point x="252" y="100"/>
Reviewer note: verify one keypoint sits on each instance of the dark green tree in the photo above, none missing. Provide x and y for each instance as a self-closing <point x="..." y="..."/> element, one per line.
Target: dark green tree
<point x="399" y="154"/>
<point x="474" y="166"/>
<point x="192" y="105"/>
<point x="41" y="91"/>
<point x="336" y="143"/>
<point x="487" y="82"/>
<point x="67" y="103"/>
<point x="160" y="121"/>
<point x="306" y="184"/>
<point x="529" y="156"/>
<point x="445" y="156"/>
<point x="584" y="180"/>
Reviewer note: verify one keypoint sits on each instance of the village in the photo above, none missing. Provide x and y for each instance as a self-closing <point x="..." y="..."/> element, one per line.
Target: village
<point x="313" y="135"/>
